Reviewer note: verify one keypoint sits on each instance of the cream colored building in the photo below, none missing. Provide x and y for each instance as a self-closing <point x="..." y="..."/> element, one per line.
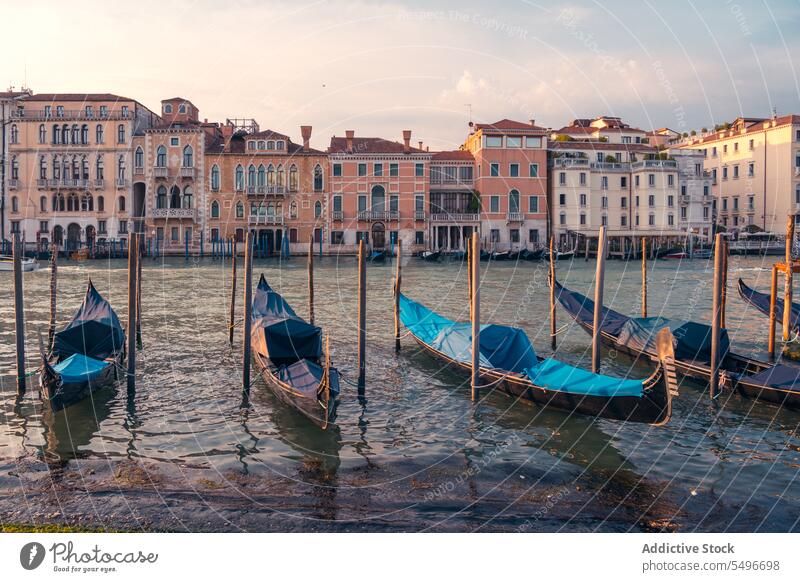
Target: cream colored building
<point x="755" y="171"/>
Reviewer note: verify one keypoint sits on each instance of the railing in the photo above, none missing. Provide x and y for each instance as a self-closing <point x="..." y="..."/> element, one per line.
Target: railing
<point x="68" y="183"/>
<point x="455" y="182"/>
<point x="122" y="183"/>
<point x="337" y="215"/>
<point x="567" y="162"/>
<point x="515" y="217"/>
<point x="187" y="173"/>
<point x="266" y="219"/>
<point x="655" y="164"/>
<point x="377" y="215"/>
<point x="72" y="114"/>
<point x="41" y="183"/>
<point x="686" y="198"/>
<point x="419" y="215"/>
<point x="174" y="213"/>
<point x="13" y="184"/>
<point x="621" y="166"/>
<point x="160" y="171"/>
<point x="99" y="183"/>
<point x="447" y="217"/>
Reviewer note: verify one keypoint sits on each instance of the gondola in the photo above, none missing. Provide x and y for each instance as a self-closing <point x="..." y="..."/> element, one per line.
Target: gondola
<point x="779" y="384"/>
<point x="510" y="364"/>
<point x="561" y="256"/>
<point x="288" y="352"/>
<point x="85" y="356"/>
<point x="377" y="257"/>
<point x="430" y="256"/>
<point x="458" y="255"/>
<point x="500" y="256"/>
<point x="761" y="302"/>
<point x="527" y="255"/>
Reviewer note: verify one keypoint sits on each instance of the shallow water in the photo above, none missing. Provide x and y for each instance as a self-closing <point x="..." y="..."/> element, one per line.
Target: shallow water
<point x="186" y="453"/>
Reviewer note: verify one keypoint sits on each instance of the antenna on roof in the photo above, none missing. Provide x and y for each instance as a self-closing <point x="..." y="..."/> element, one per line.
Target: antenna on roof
<point x="469" y="112"/>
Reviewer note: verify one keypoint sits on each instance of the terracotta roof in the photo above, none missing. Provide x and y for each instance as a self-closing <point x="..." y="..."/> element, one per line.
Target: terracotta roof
<point x="77" y="97"/>
<point x="460" y="155"/>
<point x="751" y="124"/>
<point x="177" y="99"/>
<point x="13" y="94"/>
<point x="601" y="146"/>
<point x="576" y="129"/>
<point x="267" y="134"/>
<point x="369" y="145"/>
<point x="507" y="124"/>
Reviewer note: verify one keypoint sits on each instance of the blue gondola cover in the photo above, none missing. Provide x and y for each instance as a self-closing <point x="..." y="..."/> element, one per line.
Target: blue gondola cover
<point x="94" y="331"/>
<point x="80" y="368"/>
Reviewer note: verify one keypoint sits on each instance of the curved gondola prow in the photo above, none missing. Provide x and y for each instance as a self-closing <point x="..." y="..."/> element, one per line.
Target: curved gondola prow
<point x="666" y="357"/>
<point x="325" y="386"/>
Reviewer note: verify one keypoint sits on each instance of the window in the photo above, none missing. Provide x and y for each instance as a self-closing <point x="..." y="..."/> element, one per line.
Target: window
<point x="513" y="142"/>
<point x="121" y="204"/>
<point x="683" y="213"/>
<point x="651" y="179"/>
<point x="514" y="235"/>
<point x="43" y="226"/>
<point x="317" y="178"/>
<point x="362" y="169"/>
<point x="174" y="234"/>
<point x="604" y="202"/>
<point x="215" y="178"/>
<point x="513" y="202"/>
<point x="671" y="181"/>
<point x="121" y="133"/>
<point x="87" y="203"/>
<point x="724" y="149"/>
<point x="394" y="170"/>
<point x="239" y="178"/>
<point x="636" y="181"/>
<point x="494" y="170"/>
<point x="168" y="108"/>
<point x="736" y="146"/>
<point x="533" y="204"/>
<point x="337" y="237"/>
<point x="362" y="203"/>
<point x="419" y="170"/>
<point x="604" y="220"/>
<point x="651" y="201"/>
<point x="43" y="203"/>
<point x="419" y="237"/>
<point x="705" y="213"/>
<point x="251" y="145"/>
<point x="337" y="170"/>
<point x="725" y="173"/>
<point x="582" y="199"/>
<point x="513" y="170"/>
<point x="188" y="157"/>
<point x="419" y="203"/>
<point x="14" y="204"/>
<point x="161" y="197"/>
<point x="42" y="168"/>
<point x="251" y="178"/>
<point x="57" y="134"/>
<point x="670" y="201"/>
<point x="161" y="157"/>
<point x="651" y="220"/>
<point x="14" y="133"/>
<point x="582" y="178"/>
<point x="751" y="170"/>
<point x="623" y="202"/>
<point x="394" y="203"/>
<point x="121" y="169"/>
<point x="123" y="227"/>
<point x="42" y="133"/>
<point x="533" y="142"/>
<point x="533" y="235"/>
<point x="84" y="134"/>
<point x="562" y="218"/>
<point x="494" y="235"/>
<point x="751" y="203"/>
<point x="101" y="204"/>
<point x="736" y="203"/>
<point x="562" y="199"/>
<point x="562" y="178"/>
<point x="494" y="204"/>
<point x="604" y="182"/>
<point x="215" y="209"/>
<point x="751" y="145"/>
<point x="623" y="220"/>
<point x="99" y="137"/>
<point x="724" y="204"/>
<point x="317" y="209"/>
<point x="101" y="227"/>
<point x="188" y="197"/>
<point x="533" y="170"/>
<point x="582" y="219"/>
<point x="15" y="227"/>
<point x="239" y="209"/>
<point x="494" y="141"/>
<point x="378" y="169"/>
<point x="14" y="168"/>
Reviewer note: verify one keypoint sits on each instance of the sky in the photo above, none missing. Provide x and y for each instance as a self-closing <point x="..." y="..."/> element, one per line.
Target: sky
<point x="379" y="67"/>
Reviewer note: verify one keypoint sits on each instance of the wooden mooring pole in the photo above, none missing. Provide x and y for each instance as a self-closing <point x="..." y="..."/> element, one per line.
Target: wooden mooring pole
<point x="311" y="279"/>
<point x="787" y="286"/>
<point x="139" y="292"/>
<point x="773" y="296"/>
<point x="232" y="324"/>
<point x="724" y="293"/>
<point x="552" y="294"/>
<point x="248" y="308"/>
<point x="398" y="278"/>
<point x="475" y="301"/>
<point x="19" y="314"/>
<point x="133" y="271"/>
<point x="362" y="317"/>
<point x="599" y="277"/>
<point x="51" y="332"/>
<point x="716" y="313"/>
<point x="644" y="277"/>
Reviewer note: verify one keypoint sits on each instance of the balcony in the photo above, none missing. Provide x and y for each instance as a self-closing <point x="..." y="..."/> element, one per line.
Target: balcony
<point x="613" y="166"/>
<point x="419" y="215"/>
<point x="122" y="183"/>
<point x="797" y="171"/>
<point x="41" y="183"/>
<point x="70" y="114"/>
<point x="138" y="171"/>
<point x="570" y="162"/>
<point x="337" y="215"/>
<point x="448" y="217"/>
<point x="685" y="198"/>
<point x="187" y="173"/>
<point x="515" y="217"/>
<point x="13" y="184"/>
<point x="161" y="172"/>
<point x="378" y="215"/>
<point x="444" y="183"/>
<point x="100" y="183"/>
<point x="655" y="165"/>
<point x="265" y="220"/>
<point x="174" y="213"/>
<point x="68" y="183"/>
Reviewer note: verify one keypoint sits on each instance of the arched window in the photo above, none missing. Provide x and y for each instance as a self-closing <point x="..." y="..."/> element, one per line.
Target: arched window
<point x="215" y="177"/>
<point x="317" y="209"/>
<point x="513" y="202"/>
<point x="270" y="176"/>
<point x="121" y="133"/>
<point x="239" y="177"/>
<point x="14" y="204"/>
<point x="87" y="203"/>
<point x="261" y="144"/>
<point x="270" y="145"/>
<point x="251" y="177"/>
<point x="188" y="157"/>
<point x="279" y="208"/>
<point x="65" y="134"/>
<point x="76" y="168"/>
<point x="239" y="209"/>
<point x="121" y="169"/>
<point x="42" y="168"/>
<point x="99" y="168"/>
<point x="317" y="178"/>
<point x="101" y="204"/>
<point x="279" y="144"/>
<point x="14" y="168"/>
<point x="161" y="157"/>
<point x="293" y="178"/>
<point x="175" y="197"/>
<point x="161" y="197"/>
<point x="98" y="134"/>
<point x="56" y="134"/>
<point x="76" y="134"/>
<point x="72" y="203"/>
<point x="58" y="202"/>
<point x="271" y="209"/>
<point x="293" y="210"/>
<point x="279" y="177"/>
<point x="121" y="204"/>
<point x="14" y="133"/>
<point x="138" y="158"/>
<point x="43" y="203"/>
<point x="188" y="197"/>
<point x="261" y="176"/>
<point x="84" y="168"/>
<point x="42" y="133"/>
<point x="215" y="209"/>
<point x="84" y="134"/>
<point x="378" y="199"/>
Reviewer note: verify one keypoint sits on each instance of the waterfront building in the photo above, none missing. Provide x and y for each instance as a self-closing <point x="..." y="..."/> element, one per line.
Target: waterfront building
<point x="9" y="102"/>
<point x="454" y="211"/>
<point x="754" y="165"/>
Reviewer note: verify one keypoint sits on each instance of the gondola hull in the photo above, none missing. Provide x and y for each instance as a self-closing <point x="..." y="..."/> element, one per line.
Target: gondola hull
<point x="59" y="394"/>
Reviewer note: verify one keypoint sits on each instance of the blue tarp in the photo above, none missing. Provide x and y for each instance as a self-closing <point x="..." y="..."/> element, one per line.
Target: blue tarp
<point x="305" y="376"/>
<point x="80" y="368"/>
<point x="508" y="349"/>
<point x="761" y="302"/>
<point x="778" y="376"/>
<point x="582" y="308"/>
<point x="692" y="341"/>
<point x="94" y="331"/>
<point x="279" y="333"/>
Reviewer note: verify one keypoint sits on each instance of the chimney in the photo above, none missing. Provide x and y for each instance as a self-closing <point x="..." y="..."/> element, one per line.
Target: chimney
<point x="349" y="134"/>
<point x="406" y="141"/>
<point x="305" y="131"/>
<point x="533" y="122"/>
<point x="420" y="144"/>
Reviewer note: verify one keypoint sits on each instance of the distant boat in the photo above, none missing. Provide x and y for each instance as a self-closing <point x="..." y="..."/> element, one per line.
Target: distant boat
<point x="761" y="302"/>
<point x="758" y="243"/>
<point x="377" y="257"/>
<point x="458" y="255"/>
<point x="561" y="256"/>
<point x="85" y="355"/>
<point x="431" y="256"/>
<point x="485" y="255"/>
<point x="527" y="255"/>
<point x="677" y="255"/>
<point x="509" y="363"/>
<point x="501" y="256"/>
<point x="7" y="263"/>
<point x="288" y="351"/>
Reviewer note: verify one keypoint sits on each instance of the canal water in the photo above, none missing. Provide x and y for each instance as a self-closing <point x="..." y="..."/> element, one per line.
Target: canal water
<point x="188" y="454"/>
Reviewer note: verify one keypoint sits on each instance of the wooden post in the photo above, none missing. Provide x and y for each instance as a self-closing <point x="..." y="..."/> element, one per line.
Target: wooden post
<point x="644" y="277"/>
<point x="248" y="308"/>
<point x="598" y="298"/>
<point x="139" y="292"/>
<point x="787" y="288"/>
<point x="133" y="271"/>
<point x="311" y="279"/>
<point x="51" y="333"/>
<point x="362" y="317"/>
<point x="475" y="300"/>
<point x="586" y="253"/>
<point x="469" y="274"/>
<point x="724" y="293"/>
<point x="19" y="314"/>
<point x="773" y="295"/>
<point x="232" y="325"/>
<point x="716" y="313"/>
<point x="397" y="281"/>
<point x="552" y="294"/>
